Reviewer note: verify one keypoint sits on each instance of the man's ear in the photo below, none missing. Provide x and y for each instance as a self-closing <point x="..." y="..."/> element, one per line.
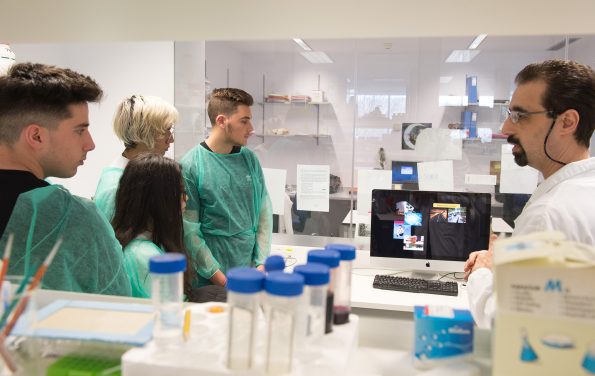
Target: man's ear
<point x="220" y="121"/>
<point x="35" y="135"/>
<point x="570" y="119"/>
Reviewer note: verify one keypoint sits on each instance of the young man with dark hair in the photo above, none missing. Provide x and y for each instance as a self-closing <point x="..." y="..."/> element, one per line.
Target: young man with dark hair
<point x="44" y="121"/>
<point x="228" y="217"/>
<point x="550" y="123"/>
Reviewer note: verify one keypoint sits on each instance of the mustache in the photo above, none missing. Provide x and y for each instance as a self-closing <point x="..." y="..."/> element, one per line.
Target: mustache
<point x="513" y="140"/>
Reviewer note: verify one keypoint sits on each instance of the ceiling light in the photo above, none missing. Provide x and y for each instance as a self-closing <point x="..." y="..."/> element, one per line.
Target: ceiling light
<point x="316" y="57"/>
<point x="477" y="41"/>
<point x="462" y="56"/>
<point x="302" y="44"/>
<point x="445" y="79"/>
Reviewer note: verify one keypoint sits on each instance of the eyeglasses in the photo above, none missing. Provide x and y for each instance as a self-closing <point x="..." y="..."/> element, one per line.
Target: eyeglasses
<point x="516" y="116"/>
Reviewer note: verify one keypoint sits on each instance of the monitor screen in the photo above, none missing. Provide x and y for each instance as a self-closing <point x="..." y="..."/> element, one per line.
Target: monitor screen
<point x="404" y="172"/>
<point x="419" y="225"/>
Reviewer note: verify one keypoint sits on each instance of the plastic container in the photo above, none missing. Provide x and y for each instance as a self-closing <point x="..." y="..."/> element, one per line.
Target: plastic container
<point x="342" y="307"/>
<point x="331" y="259"/>
<point x="281" y="305"/>
<point x="167" y="292"/>
<point x="274" y="263"/>
<point x="316" y="280"/>
<point x="244" y="287"/>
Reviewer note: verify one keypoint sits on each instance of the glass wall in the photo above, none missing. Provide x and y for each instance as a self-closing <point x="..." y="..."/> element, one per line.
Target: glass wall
<point x="408" y="113"/>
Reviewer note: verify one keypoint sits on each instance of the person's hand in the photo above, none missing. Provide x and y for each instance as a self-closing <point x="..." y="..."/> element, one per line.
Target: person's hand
<point x="219" y="278"/>
<point x="480" y="259"/>
<point x="260" y="268"/>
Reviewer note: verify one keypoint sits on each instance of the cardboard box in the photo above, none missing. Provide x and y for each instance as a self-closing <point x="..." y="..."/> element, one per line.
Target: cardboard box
<point x="441" y="333"/>
<point x="545" y="318"/>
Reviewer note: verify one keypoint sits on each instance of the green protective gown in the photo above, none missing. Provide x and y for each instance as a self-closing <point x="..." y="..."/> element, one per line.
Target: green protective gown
<point x="228" y="219"/>
<point x="105" y="194"/>
<point x="136" y="262"/>
<point x="90" y="259"/>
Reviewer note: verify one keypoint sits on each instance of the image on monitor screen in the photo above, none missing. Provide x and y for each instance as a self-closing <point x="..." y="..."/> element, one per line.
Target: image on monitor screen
<point x="442" y="226"/>
<point x="404" y="172"/>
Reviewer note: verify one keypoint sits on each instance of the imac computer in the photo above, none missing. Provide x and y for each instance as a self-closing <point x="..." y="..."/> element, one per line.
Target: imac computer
<point x="405" y="174"/>
<point x="427" y="232"/>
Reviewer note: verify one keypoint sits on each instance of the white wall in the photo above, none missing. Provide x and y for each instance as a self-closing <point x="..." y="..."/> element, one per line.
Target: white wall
<point x="121" y="69"/>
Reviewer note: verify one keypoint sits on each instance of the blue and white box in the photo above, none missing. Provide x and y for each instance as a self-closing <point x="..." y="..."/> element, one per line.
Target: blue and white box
<point x="441" y="334"/>
<point x="471" y="89"/>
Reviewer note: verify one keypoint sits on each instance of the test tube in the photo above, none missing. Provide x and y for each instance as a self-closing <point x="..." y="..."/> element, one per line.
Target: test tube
<point x="282" y="304"/>
<point x="342" y="307"/>
<point x="330" y="259"/>
<point x="244" y="286"/>
<point x="274" y="263"/>
<point x="167" y="284"/>
<point x="316" y="279"/>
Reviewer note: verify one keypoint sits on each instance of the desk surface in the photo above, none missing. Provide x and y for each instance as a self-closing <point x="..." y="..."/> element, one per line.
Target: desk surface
<point x="363" y="295"/>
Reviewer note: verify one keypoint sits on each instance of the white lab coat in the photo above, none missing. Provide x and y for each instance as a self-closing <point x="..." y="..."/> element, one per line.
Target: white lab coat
<point x="562" y="202"/>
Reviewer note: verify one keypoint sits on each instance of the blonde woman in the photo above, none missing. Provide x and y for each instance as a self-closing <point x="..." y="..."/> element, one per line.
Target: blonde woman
<point x="145" y="125"/>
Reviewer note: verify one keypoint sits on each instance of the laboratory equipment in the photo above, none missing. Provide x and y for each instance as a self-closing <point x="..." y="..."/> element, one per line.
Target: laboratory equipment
<point x="244" y="285"/>
<point x="330" y="259"/>
<point x="281" y="305"/>
<point x="316" y="279"/>
<point x="274" y="263"/>
<point x="167" y="294"/>
<point x="342" y="303"/>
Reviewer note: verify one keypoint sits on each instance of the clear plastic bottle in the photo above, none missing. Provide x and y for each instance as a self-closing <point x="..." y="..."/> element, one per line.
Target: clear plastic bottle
<point x="167" y="292"/>
<point x="316" y="279"/>
<point x="244" y="287"/>
<point x="342" y="307"/>
<point x="281" y="305"/>
<point x="330" y="259"/>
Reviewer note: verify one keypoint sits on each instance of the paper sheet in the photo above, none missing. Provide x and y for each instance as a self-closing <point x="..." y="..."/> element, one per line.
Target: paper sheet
<point x="435" y="176"/>
<point x="366" y="181"/>
<point x="275" y="182"/>
<point x="513" y="178"/>
<point x="313" y="187"/>
<point x="435" y="144"/>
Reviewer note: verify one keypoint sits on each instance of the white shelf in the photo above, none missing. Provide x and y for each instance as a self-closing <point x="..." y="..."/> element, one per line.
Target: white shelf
<point x="309" y="135"/>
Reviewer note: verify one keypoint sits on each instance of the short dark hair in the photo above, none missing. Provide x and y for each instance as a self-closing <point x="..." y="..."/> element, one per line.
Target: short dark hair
<point x="149" y="198"/>
<point x="37" y="93"/>
<point x="226" y="101"/>
<point x="569" y="85"/>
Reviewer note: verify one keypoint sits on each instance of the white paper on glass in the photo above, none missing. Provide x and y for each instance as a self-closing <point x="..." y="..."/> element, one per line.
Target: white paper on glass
<point x="275" y="182"/>
<point x="513" y="178"/>
<point x="366" y="181"/>
<point x="435" y="176"/>
<point x="313" y="187"/>
<point x="480" y="179"/>
<point x="435" y="144"/>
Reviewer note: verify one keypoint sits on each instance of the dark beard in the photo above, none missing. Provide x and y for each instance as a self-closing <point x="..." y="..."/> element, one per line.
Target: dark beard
<point x="521" y="158"/>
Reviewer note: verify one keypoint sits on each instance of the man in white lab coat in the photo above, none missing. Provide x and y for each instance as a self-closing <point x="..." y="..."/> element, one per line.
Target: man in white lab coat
<point x="550" y="123"/>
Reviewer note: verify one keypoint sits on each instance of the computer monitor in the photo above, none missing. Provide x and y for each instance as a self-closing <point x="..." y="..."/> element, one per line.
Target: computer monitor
<point x="427" y="232"/>
<point x="404" y="172"/>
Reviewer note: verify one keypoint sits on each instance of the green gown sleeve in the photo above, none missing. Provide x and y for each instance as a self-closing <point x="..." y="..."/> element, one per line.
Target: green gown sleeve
<point x="202" y="258"/>
<point x="90" y="259"/>
<point x="264" y="232"/>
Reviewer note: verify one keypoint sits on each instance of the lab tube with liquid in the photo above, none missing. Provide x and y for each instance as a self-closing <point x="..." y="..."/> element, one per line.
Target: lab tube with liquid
<point x="331" y="259"/>
<point x="316" y="279"/>
<point x="342" y="307"/>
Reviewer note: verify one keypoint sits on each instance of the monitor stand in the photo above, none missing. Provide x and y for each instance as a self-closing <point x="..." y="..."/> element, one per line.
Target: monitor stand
<point x="423" y="274"/>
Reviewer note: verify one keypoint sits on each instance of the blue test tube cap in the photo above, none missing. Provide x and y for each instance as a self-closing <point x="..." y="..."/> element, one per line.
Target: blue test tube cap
<point x="167" y="263"/>
<point x="284" y="284"/>
<point x="315" y="273"/>
<point x="245" y="280"/>
<point x="327" y="257"/>
<point x="274" y="263"/>
<point x="347" y="251"/>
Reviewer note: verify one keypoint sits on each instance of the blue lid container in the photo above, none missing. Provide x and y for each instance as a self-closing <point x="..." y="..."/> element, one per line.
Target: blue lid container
<point x="167" y="263"/>
<point x="327" y="257"/>
<point x="315" y="274"/>
<point x="274" y="263"/>
<point x="347" y="251"/>
<point x="284" y="284"/>
<point x="245" y="280"/>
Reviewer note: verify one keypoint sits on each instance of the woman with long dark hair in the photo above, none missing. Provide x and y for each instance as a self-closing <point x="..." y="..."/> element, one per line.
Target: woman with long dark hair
<point x="148" y="216"/>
